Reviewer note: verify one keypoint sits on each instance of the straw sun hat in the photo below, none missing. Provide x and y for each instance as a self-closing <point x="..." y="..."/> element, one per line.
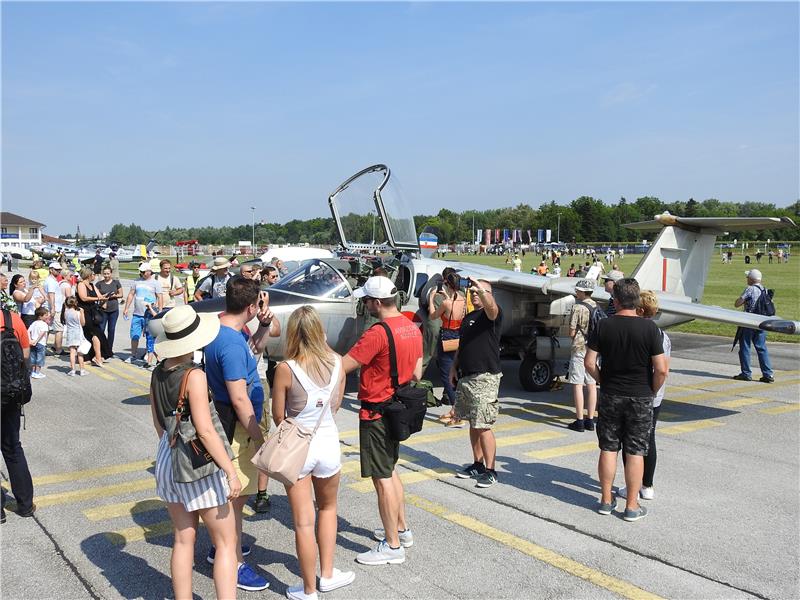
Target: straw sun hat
<point x="185" y="331"/>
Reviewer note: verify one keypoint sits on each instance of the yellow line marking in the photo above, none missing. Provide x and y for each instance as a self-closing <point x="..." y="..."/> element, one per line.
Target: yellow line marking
<point x="450" y="433"/>
<point x="563" y="450"/>
<point x="715" y="382"/>
<point x="124" y="375"/>
<point x="779" y="410"/>
<point x="134" y="370"/>
<point x="137" y="485"/>
<point x="728" y="392"/>
<point x="112" y="511"/>
<point x="407" y="478"/>
<point x="559" y="561"/>
<point x="139" y="465"/>
<point x="743" y="402"/>
<point x="138" y="533"/>
<point x="139" y="390"/>
<point x="688" y="427"/>
<point x="526" y="438"/>
<point x="99" y="372"/>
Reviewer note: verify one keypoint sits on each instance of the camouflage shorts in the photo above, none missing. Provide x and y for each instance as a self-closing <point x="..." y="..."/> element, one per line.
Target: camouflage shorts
<point x="624" y="421"/>
<point x="476" y="399"/>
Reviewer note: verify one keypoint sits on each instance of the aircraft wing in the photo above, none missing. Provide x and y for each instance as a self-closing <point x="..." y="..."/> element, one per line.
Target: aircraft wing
<point x="669" y="304"/>
<point x="721" y="224"/>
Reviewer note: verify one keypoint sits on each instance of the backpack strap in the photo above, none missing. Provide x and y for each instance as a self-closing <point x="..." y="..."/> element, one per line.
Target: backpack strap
<point x="392" y="355"/>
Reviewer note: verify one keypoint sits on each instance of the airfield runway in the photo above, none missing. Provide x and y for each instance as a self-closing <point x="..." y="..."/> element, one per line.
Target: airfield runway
<point x="723" y="524"/>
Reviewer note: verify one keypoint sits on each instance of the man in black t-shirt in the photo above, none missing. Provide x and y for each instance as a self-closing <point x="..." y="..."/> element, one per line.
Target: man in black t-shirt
<point x="633" y="369"/>
<point x="476" y="376"/>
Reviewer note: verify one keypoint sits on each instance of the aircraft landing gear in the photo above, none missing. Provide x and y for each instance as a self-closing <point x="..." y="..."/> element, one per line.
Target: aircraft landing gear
<point x="535" y="374"/>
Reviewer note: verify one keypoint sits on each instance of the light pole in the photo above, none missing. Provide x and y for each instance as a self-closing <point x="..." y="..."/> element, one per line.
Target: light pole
<point x="253" y="247"/>
<point x="373" y="227"/>
<point x="558" y="230"/>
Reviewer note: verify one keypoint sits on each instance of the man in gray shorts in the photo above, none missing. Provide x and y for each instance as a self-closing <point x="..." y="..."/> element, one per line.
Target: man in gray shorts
<point x="579" y="319"/>
<point x="476" y="374"/>
<point x="633" y="369"/>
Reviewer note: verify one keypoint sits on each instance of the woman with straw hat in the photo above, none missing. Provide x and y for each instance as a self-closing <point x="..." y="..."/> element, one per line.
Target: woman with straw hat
<point x="208" y="498"/>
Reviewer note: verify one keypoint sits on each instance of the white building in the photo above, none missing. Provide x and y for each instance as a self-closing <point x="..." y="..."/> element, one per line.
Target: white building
<point x="19" y="231"/>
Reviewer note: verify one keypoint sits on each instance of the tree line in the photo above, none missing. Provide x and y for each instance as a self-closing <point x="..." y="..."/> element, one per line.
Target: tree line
<point x="584" y="220"/>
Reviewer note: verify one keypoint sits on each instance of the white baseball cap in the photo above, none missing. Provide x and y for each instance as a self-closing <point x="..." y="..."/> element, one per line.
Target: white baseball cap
<point x="145" y="266"/>
<point x="753" y="274"/>
<point x="54" y="265"/>
<point x="376" y="287"/>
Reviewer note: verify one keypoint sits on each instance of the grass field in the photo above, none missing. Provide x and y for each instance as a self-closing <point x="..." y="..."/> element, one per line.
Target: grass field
<point x="724" y="284"/>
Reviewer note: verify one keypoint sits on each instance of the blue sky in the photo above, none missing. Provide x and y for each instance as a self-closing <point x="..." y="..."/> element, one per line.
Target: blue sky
<point x="190" y="113"/>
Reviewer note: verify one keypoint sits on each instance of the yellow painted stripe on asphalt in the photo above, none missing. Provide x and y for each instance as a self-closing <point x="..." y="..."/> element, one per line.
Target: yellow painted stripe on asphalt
<point x="407" y="478"/>
<point x="564" y="450"/>
<point x="743" y="402"/>
<point x="559" y="561"/>
<point x="131" y="378"/>
<point x="779" y="410"/>
<point x="527" y="438"/>
<point x="99" y="372"/>
<point x="140" y="390"/>
<point x="688" y="427"/>
<point x="138" y="533"/>
<point x="112" y="511"/>
<point x="139" y="465"/>
<point x="92" y="493"/>
<point x="134" y="370"/>
<point x="449" y="433"/>
<point x="748" y="386"/>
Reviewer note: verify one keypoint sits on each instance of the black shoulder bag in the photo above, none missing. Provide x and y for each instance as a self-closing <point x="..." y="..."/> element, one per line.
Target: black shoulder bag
<point x="404" y="414"/>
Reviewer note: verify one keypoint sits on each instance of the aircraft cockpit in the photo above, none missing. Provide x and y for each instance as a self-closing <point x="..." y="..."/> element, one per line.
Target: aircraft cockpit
<point x="315" y="278"/>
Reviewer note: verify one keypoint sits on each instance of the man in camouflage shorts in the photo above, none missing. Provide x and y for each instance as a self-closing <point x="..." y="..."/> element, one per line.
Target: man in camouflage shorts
<point x="478" y="364"/>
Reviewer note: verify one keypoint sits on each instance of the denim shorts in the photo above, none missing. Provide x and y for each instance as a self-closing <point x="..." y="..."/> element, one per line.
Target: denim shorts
<point x="37" y="355"/>
<point x="138" y="325"/>
<point x="624" y="421"/>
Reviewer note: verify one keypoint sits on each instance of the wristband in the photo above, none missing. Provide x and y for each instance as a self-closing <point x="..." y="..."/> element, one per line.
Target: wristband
<point x="267" y="324"/>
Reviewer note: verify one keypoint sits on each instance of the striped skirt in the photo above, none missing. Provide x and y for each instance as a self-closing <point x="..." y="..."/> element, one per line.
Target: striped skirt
<point x="208" y="492"/>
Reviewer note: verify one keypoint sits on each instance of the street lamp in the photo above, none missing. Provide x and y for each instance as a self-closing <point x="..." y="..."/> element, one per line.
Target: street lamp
<point x="558" y="230"/>
<point x="253" y="247"/>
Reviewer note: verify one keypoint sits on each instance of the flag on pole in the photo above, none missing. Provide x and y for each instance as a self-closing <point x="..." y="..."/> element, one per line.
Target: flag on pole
<point x="548" y="234"/>
<point x="530" y="238"/>
<point x="487" y="239"/>
<point x="496" y="236"/>
<point x="540" y="236"/>
<point x="478" y="236"/>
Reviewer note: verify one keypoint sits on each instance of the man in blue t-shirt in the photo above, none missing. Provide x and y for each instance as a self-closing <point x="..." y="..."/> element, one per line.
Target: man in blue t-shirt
<point x="239" y="396"/>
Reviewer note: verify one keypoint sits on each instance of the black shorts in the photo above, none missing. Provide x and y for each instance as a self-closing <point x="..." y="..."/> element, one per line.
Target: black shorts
<point x="624" y="421"/>
<point x="379" y="452"/>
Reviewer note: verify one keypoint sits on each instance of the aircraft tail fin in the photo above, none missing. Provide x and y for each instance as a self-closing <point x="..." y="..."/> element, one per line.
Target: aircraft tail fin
<point x="678" y="261"/>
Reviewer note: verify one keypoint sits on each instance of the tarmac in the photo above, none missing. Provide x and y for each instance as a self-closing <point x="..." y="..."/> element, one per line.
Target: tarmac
<point x="723" y="524"/>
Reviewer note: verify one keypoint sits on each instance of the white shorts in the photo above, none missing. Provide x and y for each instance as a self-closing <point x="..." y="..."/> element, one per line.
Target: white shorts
<point x="324" y="455"/>
<point x="577" y="372"/>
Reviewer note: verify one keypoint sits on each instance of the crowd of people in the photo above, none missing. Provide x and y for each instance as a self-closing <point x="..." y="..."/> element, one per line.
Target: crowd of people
<point x="229" y="406"/>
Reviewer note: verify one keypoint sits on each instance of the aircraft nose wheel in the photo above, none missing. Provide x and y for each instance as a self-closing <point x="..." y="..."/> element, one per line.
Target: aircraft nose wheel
<point x="535" y="375"/>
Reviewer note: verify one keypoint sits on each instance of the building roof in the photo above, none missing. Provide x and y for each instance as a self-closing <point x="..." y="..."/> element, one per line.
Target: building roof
<point x="7" y="218"/>
<point x="49" y="239"/>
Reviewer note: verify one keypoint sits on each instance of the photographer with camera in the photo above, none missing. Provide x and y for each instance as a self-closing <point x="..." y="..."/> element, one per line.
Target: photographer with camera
<point x="449" y="304"/>
<point x="476" y="373"/>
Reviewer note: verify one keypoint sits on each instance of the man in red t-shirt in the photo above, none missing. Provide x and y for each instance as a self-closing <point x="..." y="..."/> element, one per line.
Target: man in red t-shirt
<point x="378" y="451"/>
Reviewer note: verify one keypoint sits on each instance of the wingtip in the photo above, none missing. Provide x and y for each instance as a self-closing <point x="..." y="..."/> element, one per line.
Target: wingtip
<point x="781" y="326"/>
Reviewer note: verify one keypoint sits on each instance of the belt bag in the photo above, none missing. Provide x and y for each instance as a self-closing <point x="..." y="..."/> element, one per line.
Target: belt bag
<point x="284" y="453"/>
<point x="404" y="414"/>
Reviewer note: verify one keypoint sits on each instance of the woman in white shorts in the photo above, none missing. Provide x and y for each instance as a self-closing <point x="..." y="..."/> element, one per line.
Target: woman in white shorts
<point x="310" y="381"/>
<point x="208" y="498"/>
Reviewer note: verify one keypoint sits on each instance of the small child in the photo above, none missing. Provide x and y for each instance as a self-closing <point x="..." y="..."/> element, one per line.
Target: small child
<point x="149" y="312"/>
<point x="74" y="319"/>
<point x="37" y="332"/>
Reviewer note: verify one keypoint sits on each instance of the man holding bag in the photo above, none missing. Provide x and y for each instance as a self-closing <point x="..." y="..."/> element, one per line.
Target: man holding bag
<point x="379" y="452"/>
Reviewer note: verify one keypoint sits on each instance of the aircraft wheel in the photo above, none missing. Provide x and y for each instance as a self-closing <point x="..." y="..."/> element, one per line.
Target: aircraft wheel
<point x="535" y="375"/>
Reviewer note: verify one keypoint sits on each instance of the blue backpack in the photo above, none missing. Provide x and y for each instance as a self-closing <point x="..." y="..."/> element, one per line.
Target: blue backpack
<point x="763" y="305"/>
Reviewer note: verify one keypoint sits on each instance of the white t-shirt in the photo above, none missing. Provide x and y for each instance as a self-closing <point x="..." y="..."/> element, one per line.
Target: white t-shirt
<point x="168" y="284"/>
<point x="37" y="328"/>
<point x="667" y="352"/>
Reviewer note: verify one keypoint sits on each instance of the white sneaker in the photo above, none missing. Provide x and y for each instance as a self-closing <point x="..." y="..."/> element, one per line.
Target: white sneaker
<point x="42" y="375"/>
<point x="129" y="360"/>
<point x="82" y="373"/>
<point x="336" y="580"/>
<point x="406" y="537"/>
<point x="383" y="555"/>
<point x="72" y="373"/>
<point x="297" y="592"/>
<point x="647" y="493"/>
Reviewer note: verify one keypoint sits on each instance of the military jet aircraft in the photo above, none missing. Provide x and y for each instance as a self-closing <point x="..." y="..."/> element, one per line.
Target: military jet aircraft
<point x="536" y="308"/>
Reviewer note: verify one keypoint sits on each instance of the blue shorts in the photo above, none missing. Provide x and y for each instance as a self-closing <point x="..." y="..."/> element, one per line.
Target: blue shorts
<point x="138" y="326"/>
<point x="37" y="355"/>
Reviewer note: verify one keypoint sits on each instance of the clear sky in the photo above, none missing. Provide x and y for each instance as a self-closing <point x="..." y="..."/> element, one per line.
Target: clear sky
<point x="190" y="113"/>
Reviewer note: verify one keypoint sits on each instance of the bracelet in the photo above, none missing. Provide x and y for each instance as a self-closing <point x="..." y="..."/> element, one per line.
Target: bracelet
<point x="267" y="324"/>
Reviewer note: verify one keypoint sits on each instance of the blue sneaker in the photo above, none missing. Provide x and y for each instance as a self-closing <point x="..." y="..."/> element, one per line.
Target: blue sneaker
<point x="250" y="580"/>
<point x="212" y="554"/>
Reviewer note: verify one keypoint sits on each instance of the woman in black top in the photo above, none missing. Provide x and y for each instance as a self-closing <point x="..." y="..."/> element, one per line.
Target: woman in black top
<point x="109" y="310"/>
<point x="89" y="300"/>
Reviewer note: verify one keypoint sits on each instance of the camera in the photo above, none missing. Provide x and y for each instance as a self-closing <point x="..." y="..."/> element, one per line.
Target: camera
<point x="464" y="283"/>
